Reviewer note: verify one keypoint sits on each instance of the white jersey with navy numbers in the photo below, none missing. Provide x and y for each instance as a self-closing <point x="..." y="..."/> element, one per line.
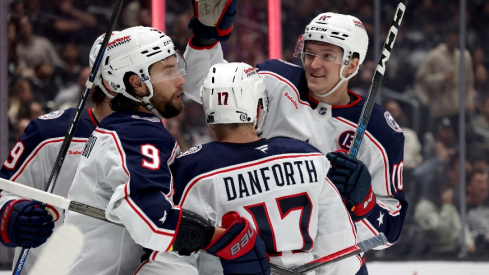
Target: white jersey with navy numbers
<point x="124" y="169"/>
<point x="32" y="159"/>
<point x="292" y="113"/>
<point x="280" y="186"/>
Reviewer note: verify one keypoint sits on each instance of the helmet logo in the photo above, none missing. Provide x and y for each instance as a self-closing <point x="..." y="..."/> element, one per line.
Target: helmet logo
<point x="118" y="42"/>
<point x="249" y="72"/>
<point x="210" y="119"/>
<point x="243" y="117"/>
<point x="358" y="24"/>
<point x="144" y="78"/>
<point x="324" y="17"/>
<point x="319" y="29"/>
<point x="113" y="85"/>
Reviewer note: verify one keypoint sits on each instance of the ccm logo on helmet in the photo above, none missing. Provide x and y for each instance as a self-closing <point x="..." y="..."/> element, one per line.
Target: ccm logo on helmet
<point x="242" y="243"/>
<point x="318" y="29"/>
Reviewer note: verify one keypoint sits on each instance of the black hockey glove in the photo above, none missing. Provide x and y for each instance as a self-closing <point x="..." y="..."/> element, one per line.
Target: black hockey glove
<point x="212" y="21"/>
<point x="239" y="248"/>
<point x="24" y="223"/>
<point x="352" y="179"/>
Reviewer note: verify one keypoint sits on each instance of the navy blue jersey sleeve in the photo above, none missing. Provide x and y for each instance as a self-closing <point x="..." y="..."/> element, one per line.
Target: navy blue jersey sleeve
<point x="149" y="150"/>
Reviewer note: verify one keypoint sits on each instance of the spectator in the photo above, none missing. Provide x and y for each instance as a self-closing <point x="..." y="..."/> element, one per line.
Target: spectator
<point x="437" y="80"/>
<point x="437" y="215"/>
<point x="43" y="85"/>
<point x="477" y="212"/>
<point x="70" y="96"/>
<point x="34" y="50"/>
<point x="412" y="146"/>
<point x="20" y="92"/>
<point x="480" y="123"/>
<point x="67" y="74"/>
<point x="30" y="110"/>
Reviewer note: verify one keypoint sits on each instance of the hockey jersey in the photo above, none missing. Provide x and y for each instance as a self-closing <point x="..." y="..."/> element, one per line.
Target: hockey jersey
<point x="32" y="159"/>
<point x="280" y="186"/>
<point x="124" y="169"/>
<point x="292" y="113"/>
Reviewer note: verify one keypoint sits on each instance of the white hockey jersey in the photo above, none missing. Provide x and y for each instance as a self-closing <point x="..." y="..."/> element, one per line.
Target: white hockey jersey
<point x="32" y="158"/>
<point x="124" y="169"/>
<point x="280" y="186"/>
<point x="292" y="113"/>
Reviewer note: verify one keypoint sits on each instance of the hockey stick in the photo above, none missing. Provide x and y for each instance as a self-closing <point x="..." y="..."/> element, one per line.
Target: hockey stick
<point x="377" y="79"/>
<point x="74" y="123"/>
<point x="362" y="246"/>
<point x="60" y="251"/>
<point x="53" y="199"/>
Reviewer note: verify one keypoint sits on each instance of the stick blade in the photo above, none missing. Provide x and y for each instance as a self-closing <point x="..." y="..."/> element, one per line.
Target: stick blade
<point x="60" y="251"/>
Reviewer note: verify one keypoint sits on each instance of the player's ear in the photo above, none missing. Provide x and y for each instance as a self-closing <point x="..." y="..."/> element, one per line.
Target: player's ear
<point x="351" y="67"/>
<point x="137" y="85"/>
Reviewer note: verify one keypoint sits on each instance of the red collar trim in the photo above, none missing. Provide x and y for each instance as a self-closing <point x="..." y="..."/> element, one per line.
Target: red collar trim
<point x="358" y="98"/>
<point x="90" y="114"/>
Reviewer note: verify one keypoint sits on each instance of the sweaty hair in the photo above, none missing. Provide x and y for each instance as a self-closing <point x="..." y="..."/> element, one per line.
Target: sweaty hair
<point x="122" y="103"/>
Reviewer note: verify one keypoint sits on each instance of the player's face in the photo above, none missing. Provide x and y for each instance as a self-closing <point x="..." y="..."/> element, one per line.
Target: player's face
<point x="167" y="92"/>
<point x="321" y="73"/>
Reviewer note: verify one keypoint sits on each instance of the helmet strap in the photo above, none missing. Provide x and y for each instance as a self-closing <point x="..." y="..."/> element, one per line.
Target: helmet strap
<point x="342" y="79"/>
<point x="148" y="97"/>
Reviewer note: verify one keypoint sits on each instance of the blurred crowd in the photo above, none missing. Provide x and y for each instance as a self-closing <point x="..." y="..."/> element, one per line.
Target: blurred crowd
<point x="49" y="42"/>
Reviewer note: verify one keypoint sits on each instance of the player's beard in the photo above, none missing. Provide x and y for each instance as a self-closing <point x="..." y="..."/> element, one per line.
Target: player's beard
<point x="169" y="107"/>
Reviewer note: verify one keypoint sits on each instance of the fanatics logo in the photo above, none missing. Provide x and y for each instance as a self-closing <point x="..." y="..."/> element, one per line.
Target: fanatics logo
<point x="52" y="115"/>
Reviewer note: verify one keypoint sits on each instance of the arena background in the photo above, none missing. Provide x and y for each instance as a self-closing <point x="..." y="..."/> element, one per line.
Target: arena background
<point x="440" y="147"/>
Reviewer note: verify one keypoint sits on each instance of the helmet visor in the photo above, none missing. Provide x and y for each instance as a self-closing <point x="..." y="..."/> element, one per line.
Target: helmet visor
<point x="324" y="55"/>
<point x="173" y="67"/>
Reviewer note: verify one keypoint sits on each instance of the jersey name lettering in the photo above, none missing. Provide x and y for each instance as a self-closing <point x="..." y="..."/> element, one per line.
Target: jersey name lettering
<point x="270" y="177"/>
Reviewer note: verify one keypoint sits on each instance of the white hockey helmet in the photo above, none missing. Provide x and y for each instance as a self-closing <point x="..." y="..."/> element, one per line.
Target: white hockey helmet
<point x="135" y="50"/>
<point x="344" y="31"/>
<point x="234" y="93"/>
<point x="92" y="57"/>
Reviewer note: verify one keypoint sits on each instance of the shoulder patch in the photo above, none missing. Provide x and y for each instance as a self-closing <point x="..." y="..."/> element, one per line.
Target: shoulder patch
<point x="52" y="115"/>
<point x="391" y="122"/>
<point x="151" y="119"/>
<point x="190" y="151"/>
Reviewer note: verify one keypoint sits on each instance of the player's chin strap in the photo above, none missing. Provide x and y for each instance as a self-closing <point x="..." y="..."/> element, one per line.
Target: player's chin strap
<point x="145" y="99"/>
<point x="342" y="79"/>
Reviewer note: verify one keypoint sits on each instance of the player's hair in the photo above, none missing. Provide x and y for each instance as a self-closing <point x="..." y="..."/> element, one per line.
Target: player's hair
<point x="97" y="96"/>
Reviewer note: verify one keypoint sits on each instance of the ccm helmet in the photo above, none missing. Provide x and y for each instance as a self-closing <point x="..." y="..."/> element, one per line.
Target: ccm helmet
<point x="92" y="57"/>
<point x="344" y="31"/>
<point x="234" y="93"/>
<point x="135" y="50"/>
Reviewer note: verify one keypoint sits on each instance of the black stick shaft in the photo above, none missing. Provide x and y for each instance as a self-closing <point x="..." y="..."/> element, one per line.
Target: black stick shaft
<point x="377" y="79"/>
<point x="74" y="123"/>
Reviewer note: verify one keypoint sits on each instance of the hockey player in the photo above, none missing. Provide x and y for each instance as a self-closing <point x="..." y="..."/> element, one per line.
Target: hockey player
<point x="278" y="184"/>
<point x="31" y="161"/>
<point x="124" y="169"/>
<point x="313" y="103"/>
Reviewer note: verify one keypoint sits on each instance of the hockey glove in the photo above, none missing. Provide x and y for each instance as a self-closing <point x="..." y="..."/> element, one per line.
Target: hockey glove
<point x="25" y="223"/>
<point x="212" y="21"/>
<point x="240" y="249"/>
<point x="353" y="181"/>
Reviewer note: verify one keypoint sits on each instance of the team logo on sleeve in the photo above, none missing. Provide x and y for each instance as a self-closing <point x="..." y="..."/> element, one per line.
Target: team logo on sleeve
<point x="392" y="123"/>
<point x="152" y="119"/>
<point x="52" y="115"/>
<point x="192" y="150"/>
